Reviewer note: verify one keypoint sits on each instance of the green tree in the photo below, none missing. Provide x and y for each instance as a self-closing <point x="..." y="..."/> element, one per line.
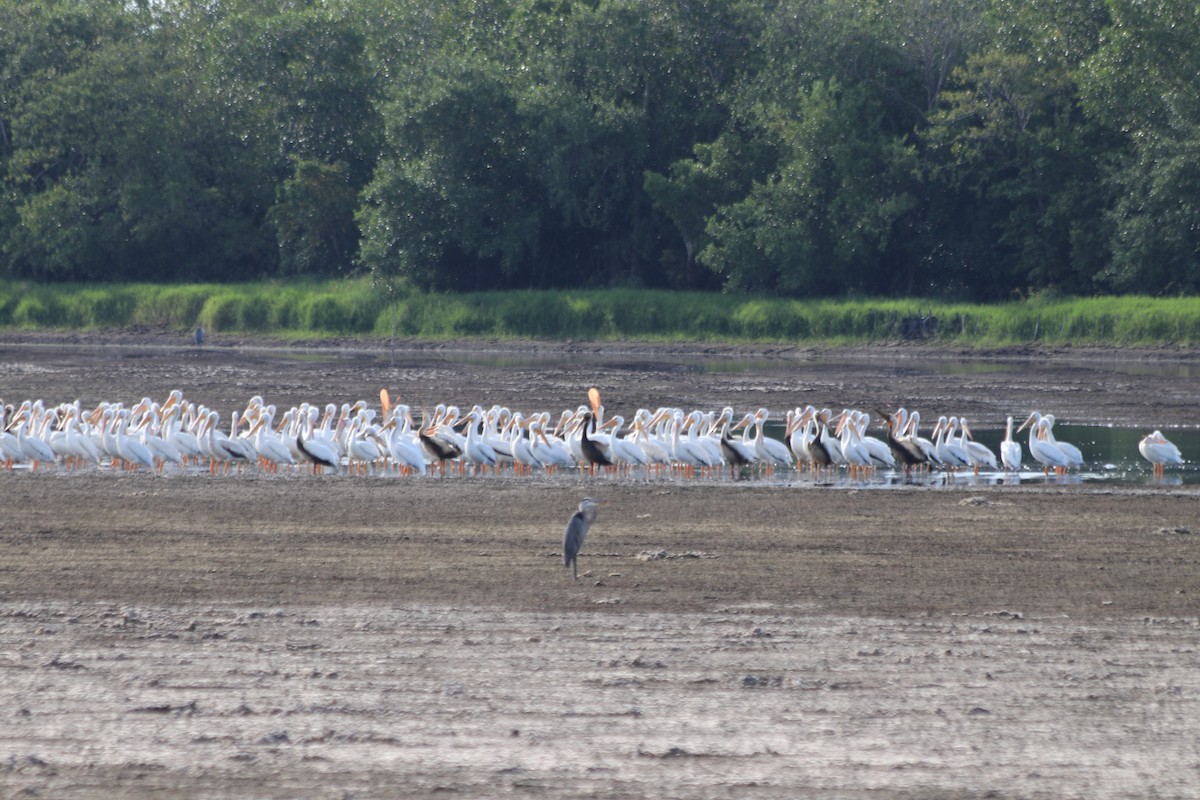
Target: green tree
<point x="717" y="175"/>
<point x="121" y="168"/>
<point x="1142" y="83"/>
<point x="517" y="146"/>
<point x="453" y="204"/>
<point x="305" y="94"/>
<point x="822" y="223"/>
<point x="313" y="218"/>
<point x="1021" y="165"/>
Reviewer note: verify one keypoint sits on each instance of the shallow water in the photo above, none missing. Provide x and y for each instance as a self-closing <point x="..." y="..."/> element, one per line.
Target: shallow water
<point x="719" y="365"/>
<point x="1110" y="454"/>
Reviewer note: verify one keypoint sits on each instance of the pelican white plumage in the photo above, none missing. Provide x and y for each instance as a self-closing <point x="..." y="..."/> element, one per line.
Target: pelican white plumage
<point x="314" y="448"/>
<point x="501" y="445"/>
<point x="799" y="433"/>
<point x="1043" y="449"/>
<point x="1010" y="450"/>
<point x="241" y="447"/>
<point x="551" y="452"/>
<point x="979" y="454"/>
<point x="183" y="440"/>
<point x="704" y="431"/>
<point x="272" y="450"/>
<point x="478" y="453"/>
<point x="626" y="451"/>
<point x="212" y="444"/>
<point x="131" y="450"/>
<point x="1073" y="453"/>
<point x="913" y="431"/>
<point x="770" y="451"/>
<point x="684" y="452"/>
<point x="946" y="446"/>
<point x="736" y="453"/>
<point x="9" y="449"/>
<point x="524" y="461"/>
<point x="362" y="448"/>
<point x="743" y="452"/>
<point x="1160" y="452"/>
<point x="903" y="449"/>
<point x="35" y="451"/>
<point x="405" y="449"/>
<point x="879" y="450"/>
<point x="855" y="453"/>
<point x="823" y="448"/>
<point x="151" y="436"/>
<point x="651" y="444"/>
<point x="82" y="448"/>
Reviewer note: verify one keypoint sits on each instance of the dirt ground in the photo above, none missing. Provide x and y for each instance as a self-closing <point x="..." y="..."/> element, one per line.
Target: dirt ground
<point x="291" y="636"/>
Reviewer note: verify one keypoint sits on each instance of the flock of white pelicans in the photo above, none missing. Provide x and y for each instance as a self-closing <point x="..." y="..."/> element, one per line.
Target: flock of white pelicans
<point x="360" y="439"/>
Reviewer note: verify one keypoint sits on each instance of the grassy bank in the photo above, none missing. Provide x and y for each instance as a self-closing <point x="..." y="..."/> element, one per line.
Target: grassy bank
<point x="357" y="308"/>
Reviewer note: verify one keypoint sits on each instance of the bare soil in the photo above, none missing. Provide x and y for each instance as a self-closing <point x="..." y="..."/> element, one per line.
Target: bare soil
<point x="290" y="636"/>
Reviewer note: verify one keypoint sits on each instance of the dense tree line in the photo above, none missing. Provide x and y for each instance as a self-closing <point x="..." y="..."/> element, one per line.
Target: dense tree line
<point x="957" y="148"/>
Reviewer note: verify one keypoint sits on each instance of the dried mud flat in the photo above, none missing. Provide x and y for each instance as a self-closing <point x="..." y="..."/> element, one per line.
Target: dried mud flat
<point x="251" y="636"/>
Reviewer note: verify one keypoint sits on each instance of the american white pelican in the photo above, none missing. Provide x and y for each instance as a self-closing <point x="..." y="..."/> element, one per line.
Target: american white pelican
<point x="151" y="436"/>
<point x="880" y="452"/>
<point x="737" y="453"/>
<point x="1044" y="450"/>
<point x="524" y="461"/>
<point x="625" y="451"/>
<point x="1160" y="452"/>
<point x="131" y="450"/>
<point x="83" y="448"/>
<point x="271" y="448"/>
<point x="703" y="431"/>
<point x="316" y="450"/>
<point x="490" y="433"/>
<point x="913" y="431"/>
<point x="823" y="449"/>
<point x="855" y="453"/>
<point x="946" y="446"/>
<point x="767" y="450"/>
<point x="362" y="447"/>
<point x="184" y="441"/>
<point x="1073" y="453"/>
<point x="553" y="453"/>
<point x="903" y="448"/>
<point x="980" y="454"/>
<point x="798" y="432"/>
<point x="652" y="445"/>
<point x="684" y="453"/>
<point x="1010" y="450"/>
<point x="9" y="449"/>
<point x="593" y="455"/>
<point x="242" y="448"/>
<point x="478" y="453"/>
<point x="35" y="451"/>
<point x="405" y="449"/>
<point x="439" y="439"/>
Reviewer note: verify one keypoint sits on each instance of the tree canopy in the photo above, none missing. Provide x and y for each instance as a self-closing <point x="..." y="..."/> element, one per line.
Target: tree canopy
<point x="975" y="149"/>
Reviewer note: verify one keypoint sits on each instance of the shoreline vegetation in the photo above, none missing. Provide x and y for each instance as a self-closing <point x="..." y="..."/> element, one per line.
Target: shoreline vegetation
<point x="360" y="308"/>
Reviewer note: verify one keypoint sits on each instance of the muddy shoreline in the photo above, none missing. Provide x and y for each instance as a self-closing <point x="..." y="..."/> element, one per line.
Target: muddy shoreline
<point x="295" y="636"/>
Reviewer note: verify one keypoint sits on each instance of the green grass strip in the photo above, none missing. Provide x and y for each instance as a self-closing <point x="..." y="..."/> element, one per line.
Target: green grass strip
<point x="360" y="308"/>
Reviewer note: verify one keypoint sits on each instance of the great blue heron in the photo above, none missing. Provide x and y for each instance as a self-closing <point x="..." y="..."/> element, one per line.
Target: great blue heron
<point x="199" y="335"/>
<point x="577" y="530"/>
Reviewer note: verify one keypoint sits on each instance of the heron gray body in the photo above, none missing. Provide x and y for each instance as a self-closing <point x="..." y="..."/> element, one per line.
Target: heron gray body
<point x="577" y="531"/>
